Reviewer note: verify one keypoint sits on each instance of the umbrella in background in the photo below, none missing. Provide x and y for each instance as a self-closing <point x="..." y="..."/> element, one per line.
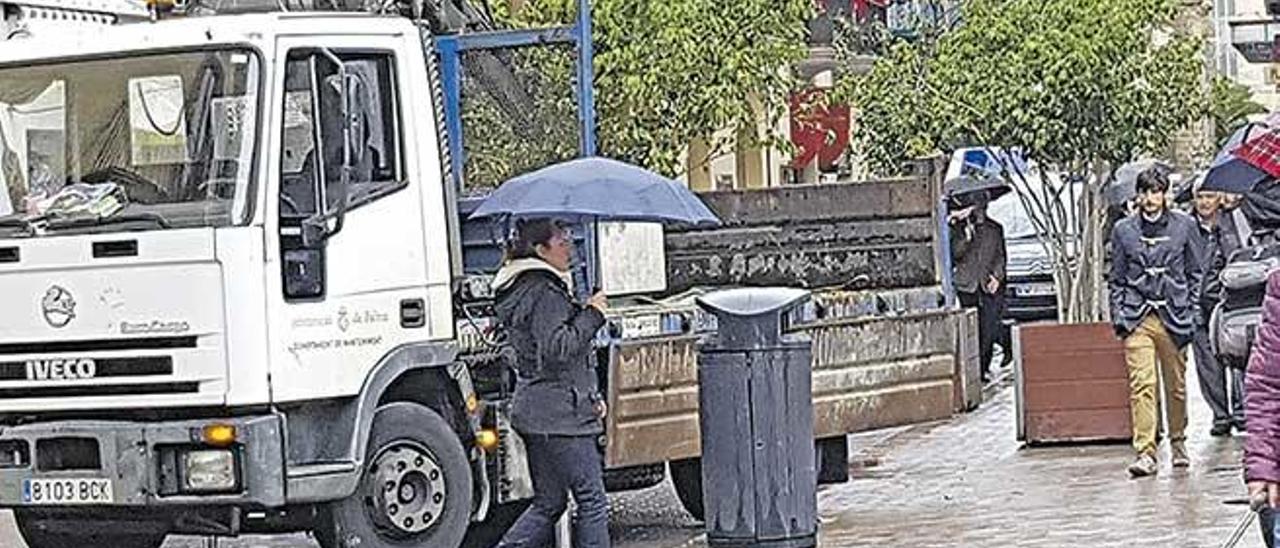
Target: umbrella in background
<point x="1230" y="171"/>
<point x="964" y="189"/>
<point x="597" y="189"/>
<point x="1123" y="185"/>
<point x="1185" y="190"/>
<point x="1263" y="152"/>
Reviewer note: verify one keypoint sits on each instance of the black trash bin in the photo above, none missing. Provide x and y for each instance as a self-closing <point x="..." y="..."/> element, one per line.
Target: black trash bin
<point x="759" y="480"/>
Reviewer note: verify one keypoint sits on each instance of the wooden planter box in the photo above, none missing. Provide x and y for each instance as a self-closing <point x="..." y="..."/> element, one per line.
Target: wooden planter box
<point x="1072" y="383"/>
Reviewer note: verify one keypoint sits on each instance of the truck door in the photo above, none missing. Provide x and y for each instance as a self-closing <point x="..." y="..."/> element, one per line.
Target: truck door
<point x="351" y="271"/>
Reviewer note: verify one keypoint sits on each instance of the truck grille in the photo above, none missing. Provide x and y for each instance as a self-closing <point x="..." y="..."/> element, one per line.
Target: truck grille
<point x="103" y="367"/>
<point x="101" y="390"/>
<point x="103" y="345"/>
<point x="68" y="369"/>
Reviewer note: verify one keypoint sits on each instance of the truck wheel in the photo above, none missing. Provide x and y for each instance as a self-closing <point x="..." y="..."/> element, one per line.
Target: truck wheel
<point x="64" y="533"/>
<point x="686" y="475"/>
<point x="415" y="490"/>
<point x="633" y="478"/>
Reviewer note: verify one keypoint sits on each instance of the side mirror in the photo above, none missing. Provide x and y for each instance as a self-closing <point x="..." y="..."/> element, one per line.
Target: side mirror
<point x="330" y="137"/>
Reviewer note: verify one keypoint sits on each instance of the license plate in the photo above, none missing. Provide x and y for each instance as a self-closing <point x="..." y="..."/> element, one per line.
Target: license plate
<point x="1042" y="289"/>
<point x="67" y="491"/>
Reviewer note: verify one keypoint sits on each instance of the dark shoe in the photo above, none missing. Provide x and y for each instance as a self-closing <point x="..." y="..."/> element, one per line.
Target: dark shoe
<point x="1144" y="465"/>
<point x="1220" y="430"/>
<point x="1239" y="426"/>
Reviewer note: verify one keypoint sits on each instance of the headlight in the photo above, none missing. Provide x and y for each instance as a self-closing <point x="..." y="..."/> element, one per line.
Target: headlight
<point x="1250" y="273"/>
<point x="210" y="470"/>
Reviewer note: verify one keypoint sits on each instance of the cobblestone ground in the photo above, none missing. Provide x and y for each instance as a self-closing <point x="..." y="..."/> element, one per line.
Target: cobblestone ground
<point x="966" y="482"/>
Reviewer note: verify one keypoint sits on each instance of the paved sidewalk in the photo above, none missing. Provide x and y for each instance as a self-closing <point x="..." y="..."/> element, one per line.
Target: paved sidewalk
<point x="967" y="482"/>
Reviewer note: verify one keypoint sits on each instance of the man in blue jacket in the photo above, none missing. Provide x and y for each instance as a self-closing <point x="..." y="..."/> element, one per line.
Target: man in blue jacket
<point x="1156" y="278"/>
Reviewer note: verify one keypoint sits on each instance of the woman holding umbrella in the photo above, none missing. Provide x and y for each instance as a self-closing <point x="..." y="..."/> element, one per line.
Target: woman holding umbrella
<point x="557" y="407"/>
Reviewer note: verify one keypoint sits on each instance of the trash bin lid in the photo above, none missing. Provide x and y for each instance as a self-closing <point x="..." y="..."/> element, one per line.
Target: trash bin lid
<point x="752" y="301"/>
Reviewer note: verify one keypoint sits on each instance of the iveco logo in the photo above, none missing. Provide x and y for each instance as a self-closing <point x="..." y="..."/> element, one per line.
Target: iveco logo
<point x="61" y="370"/>
<point x="58" y="306"/>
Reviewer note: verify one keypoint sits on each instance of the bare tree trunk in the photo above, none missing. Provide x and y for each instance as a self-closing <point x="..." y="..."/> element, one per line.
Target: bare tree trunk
<point x="1100" y="310"/>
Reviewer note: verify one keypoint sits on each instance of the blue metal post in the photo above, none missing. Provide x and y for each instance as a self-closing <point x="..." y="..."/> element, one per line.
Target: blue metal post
<point x="586" y="81"/>
<point x="451" y="82"/>
<point x="944" y="243"/>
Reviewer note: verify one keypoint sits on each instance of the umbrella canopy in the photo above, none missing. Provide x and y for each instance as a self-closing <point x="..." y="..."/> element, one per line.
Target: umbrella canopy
<point x="1123" y="186"/>
<point x="1186" y="189"/>
<point x="963" y="189"/>
<point x="599" y="189"/>
<point x="1263" y="152"/>
<point x="1230" y="172"/>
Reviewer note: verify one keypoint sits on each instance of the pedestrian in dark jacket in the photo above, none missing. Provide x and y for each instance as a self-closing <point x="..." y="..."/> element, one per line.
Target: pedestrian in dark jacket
<point x="1222" y="388"/>
<point x="1155" y="282"/>
<point x="556" y="408"/>
<point x="1262" y="410"/>
<point x="978" y="257"/>
<point x="1236" y="231"/>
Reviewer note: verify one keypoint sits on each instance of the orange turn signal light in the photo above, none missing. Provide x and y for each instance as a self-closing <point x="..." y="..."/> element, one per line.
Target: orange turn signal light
<point x="219" y="435"/>
<point x="487" y="439"/>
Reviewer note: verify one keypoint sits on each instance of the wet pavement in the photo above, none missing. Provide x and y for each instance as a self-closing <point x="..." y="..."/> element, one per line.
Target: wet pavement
<point x="966" y="482"/>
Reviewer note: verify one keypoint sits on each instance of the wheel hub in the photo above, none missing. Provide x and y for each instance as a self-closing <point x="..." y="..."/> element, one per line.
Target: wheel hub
<point x="409" y="490"/>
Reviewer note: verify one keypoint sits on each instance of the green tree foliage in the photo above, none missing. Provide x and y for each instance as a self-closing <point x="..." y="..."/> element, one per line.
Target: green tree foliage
<point x="1230" y="106"/>
<point x="1080" y="86"/>
<point x="519" y="112"/>
<point x="667" y="72"/>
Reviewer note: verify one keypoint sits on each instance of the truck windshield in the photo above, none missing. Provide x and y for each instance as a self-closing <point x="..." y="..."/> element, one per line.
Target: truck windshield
<point x="152" y="141"/>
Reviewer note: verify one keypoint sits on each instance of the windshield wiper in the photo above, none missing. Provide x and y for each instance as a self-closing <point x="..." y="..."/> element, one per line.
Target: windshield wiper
<point x="19" y="223"/>
<point x="79" y="221"/>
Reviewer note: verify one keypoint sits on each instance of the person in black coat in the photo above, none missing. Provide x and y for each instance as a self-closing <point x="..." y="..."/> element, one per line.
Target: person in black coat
<point x="557" y="408"/>
<point x="979" y="256"/>
<point x="1221" y="387"/>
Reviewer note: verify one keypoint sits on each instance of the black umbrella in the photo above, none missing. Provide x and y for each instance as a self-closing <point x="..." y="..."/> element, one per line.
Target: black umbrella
<point x="1123" y="186"/>
<point x="967" y="188"/>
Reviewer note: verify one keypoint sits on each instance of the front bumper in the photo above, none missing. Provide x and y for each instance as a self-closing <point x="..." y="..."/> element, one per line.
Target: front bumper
<point x="132" y="456"/>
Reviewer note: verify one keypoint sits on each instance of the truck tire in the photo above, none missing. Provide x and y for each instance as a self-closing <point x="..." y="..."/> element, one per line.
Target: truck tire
<point x="62" y="534"/>
<point x="632" y="478"/>
<point x="686" y="475"/>
<point x="415" y="490"/>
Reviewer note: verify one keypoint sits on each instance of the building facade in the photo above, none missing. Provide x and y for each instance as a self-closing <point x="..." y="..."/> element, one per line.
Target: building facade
<point x="1237" y="22"/>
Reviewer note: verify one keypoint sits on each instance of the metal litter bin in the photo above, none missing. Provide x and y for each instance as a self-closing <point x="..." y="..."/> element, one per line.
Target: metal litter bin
<point x="759" y="480"/>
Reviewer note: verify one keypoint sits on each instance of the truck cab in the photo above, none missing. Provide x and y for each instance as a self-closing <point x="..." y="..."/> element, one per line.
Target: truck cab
<point x="228" y="246"/>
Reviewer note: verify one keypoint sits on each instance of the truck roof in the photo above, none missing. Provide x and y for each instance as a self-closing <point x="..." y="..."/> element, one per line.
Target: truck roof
<point x="259" y="29"/>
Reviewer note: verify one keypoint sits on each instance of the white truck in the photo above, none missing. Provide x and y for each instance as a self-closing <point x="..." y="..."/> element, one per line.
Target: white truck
<point x="229" y="249"/>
